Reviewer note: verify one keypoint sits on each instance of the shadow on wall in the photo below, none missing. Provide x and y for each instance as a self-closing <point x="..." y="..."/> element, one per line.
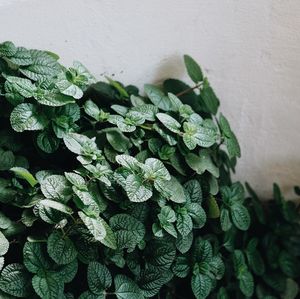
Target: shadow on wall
<point x="170" y="67"/>
<point x="275" y="172"/>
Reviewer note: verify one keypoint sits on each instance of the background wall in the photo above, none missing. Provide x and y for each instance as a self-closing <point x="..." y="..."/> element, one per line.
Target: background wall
<point x="249" y="49"/>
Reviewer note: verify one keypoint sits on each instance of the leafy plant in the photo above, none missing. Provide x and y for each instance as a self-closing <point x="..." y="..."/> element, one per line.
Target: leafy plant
<point x="107" y="192"/>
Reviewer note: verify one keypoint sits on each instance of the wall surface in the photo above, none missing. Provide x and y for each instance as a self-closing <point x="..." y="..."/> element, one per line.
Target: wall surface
<point x="250" y="51"/>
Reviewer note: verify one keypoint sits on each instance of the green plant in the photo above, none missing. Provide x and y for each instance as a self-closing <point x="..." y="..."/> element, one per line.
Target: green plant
<point x="104" y="192"/>
<point x="264" y="261"/>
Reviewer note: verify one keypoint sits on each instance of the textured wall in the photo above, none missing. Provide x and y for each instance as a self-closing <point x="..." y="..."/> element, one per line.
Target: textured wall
<point x="249" y="49"/>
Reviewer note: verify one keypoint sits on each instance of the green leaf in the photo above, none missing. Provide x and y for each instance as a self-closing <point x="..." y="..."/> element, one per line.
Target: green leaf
<point x="165" y="135"/>
<point x="56" y="187"/>
<point x="52" y="98"/>
<point x="136" y="189"/>
<point x="28" y="218"/>
<point x="189" y="97"/>
<point x="148" y="111"/>
<point x="240" y="216"/>
<point x="1" y="264"/>
<point x="60" y="248"/>
<point x="155" y="170"/>
<point x="222" y="294"/>
<point x="239" y="262"/>
<point x="99" y="278"/>
<point x="201" y="285"/>
<point x="276" y="280"/>
<point x="83" y="76"/>
<point x="110" y="238"/>
<point x="255" y="260"/>
<point x="118" y="87"/>
<point x="4" y="244"/>
<point x="129" y="162"/>
<point x="7" y="159"/>
<point x="194" y="191"/>
<point x="43" y="66"/>
<point x="86" y="201"/>
<point x="95" y="226"/>
<point x="183" y="244"/>
<point x="213" y="185"/>
<point x="184" y="224"/>
<point x="87" y="251"/>
<point x="21" y="57"/>
<point x="120" y="109"/>
<point x="193" y="69"/>
<point x="23" y="86"/>
<point x="69" y="88"/>
<point x="15" y="281"/>
<point x="202" y="250"/>
<point x="27" y="117"/>
<point x="225" y="220"/>
<point x="56" y="206"/>
<point x="118" y="140"/>
<point x="5" y="222"/>
<point x="176" y="102"/>
<point x="126" y="288"/>
<point x="160" y="255"/>
<point x="158" y="98"/>
<point x="68" y="272"/>
<point x="24" y="174"/>
<point x="167" y="214"/>
<point x="289" y="264"/>
<point x="47" y="142"/>
<point x="197" y="213"/>
<point x="246" y="284"/>
<point x="128" y="231"/>
<point x="169" y="228"/>
<point x="76" y="180"/>
<point x="150" y="281"/>
<point x="202" y="163"/>
<point x="209" y="98"/>
<point x="213" y="208"/>
<point x="256" y="263"/>
<point x="35" y="257"/>
<point x="166" y="152"/>
<point x="48" y="285"/>
<point x="292" y="289"/>
<point x="7" y="194"/>
<point x="217" y="267"/>
<point x="171" y="190"/>
<point x="169" y="122"/>
<point x="76" y="142"/>
<point x="198" y="135"/>
<point x="231" y="141"/>
<point x="7" y="49"/>
<point x="181" y="267"/>
<point x="50" y="215"/>
<point x="91" y="109"/>
<point x="233" y="194"/>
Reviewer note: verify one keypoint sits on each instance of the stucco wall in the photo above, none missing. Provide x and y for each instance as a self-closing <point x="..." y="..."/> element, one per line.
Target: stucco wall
<point x="249" y="49"/>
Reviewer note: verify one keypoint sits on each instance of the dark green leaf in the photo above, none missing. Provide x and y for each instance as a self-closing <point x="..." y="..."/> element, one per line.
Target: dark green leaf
<point x="15" y="280"/>
<point x="193" y="69"/>
<point x="99" y="278"/>
<point x="60" y="248"/>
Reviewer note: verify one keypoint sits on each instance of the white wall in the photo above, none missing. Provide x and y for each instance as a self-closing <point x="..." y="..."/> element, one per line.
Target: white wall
<point x="249" y="49"/>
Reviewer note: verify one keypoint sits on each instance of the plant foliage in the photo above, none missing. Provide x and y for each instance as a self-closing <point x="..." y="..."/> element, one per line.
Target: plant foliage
<point x="105" y="191"/>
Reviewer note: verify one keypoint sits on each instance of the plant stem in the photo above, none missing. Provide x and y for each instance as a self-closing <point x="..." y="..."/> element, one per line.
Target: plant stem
<point x="146" y="127"/>
<point x="189" y="89"/>
<point x="108" y="293"/>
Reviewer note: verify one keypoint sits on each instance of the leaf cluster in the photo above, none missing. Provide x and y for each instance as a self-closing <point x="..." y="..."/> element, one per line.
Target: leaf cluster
<point x="106" y="191"/>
